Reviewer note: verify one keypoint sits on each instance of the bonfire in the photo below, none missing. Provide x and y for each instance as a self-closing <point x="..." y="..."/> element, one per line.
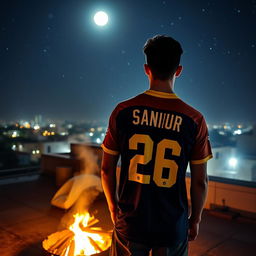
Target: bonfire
<point x="82" y="238"/>
<point x="79" y="236"/>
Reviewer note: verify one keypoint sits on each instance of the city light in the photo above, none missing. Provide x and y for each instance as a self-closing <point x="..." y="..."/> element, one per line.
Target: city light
<point x="98" y="140"/>
<point x="14" y="134"/>
<point x="27" y="125"/>
<point x="91" y="134"/>
<point x="47" y="133"/>
<point x="232" y="162"/>
<point x="237" y="132"/>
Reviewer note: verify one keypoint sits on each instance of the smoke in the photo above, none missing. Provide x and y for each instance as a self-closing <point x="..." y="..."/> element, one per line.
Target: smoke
<point x="89" y="179"/>
<point x="89" y="161"/>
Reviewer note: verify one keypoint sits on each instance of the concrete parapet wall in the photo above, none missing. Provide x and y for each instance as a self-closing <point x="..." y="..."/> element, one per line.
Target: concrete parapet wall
<point x="233" y="196"/>
<point x="49" y="163"/>
<point x="75" y="160"/>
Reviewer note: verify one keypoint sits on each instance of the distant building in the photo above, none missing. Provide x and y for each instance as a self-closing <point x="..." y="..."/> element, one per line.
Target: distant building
<point x="38" y="120"/>
<point x="228" y="162"/>
<point x="43" y="147"/>
<point x="246" y="143"/>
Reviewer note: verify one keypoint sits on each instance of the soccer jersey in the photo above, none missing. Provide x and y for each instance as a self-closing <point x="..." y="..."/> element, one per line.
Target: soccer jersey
<point x="156" y="134"/>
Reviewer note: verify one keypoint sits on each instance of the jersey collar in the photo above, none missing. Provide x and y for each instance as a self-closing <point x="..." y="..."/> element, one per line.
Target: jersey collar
<point x="164" y="95"/>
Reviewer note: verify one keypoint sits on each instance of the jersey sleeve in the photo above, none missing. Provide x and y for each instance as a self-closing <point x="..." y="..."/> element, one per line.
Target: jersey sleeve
<point x="110" y="143"/>
<point x="201" y="150"/>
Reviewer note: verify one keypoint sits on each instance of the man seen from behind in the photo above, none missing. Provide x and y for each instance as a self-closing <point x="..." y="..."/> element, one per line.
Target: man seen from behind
<point x="156" y="135"/>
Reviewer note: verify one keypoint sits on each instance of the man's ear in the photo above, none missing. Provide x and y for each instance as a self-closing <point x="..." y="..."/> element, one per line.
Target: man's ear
<point x="147" y="69"/>
<point x="178" y="71"/>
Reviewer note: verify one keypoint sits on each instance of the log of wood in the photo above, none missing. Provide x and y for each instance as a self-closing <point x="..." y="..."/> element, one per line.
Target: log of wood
<point x="92" y="221"/>
<point x="95" y="245"/>
<point x="56" y="239"/>
<point x="95" y="230"/>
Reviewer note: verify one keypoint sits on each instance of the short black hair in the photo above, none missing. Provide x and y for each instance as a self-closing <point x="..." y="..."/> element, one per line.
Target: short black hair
<point x="163" y="56"/>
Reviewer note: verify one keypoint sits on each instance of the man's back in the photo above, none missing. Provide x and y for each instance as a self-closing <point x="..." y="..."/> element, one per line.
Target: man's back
<point x="156" y="134"/>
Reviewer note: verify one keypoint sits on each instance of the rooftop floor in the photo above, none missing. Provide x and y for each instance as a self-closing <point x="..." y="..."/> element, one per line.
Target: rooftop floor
<point x="26" y="218"/>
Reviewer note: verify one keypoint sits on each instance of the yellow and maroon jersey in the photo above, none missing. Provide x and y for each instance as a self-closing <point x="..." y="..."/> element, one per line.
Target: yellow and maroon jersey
<point x="156" y="134"/>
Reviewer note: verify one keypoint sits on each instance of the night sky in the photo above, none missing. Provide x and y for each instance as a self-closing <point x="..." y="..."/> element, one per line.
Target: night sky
<point x="56" y="62"/>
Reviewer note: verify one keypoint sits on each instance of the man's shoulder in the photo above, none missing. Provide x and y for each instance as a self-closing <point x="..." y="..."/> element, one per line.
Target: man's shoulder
<point x="190" y="111"/>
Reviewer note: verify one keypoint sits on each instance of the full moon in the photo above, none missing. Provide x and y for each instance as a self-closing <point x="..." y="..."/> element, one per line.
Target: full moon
<point x="101" y="18"/>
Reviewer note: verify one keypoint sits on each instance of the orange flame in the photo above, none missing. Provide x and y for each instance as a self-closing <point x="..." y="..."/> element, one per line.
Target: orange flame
<point x="88" y="240"/>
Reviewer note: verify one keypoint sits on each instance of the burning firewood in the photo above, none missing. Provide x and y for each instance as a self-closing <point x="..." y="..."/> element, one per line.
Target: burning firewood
<point x="90" y="229"/>
<point x="59" y="243"/>
<point x="81" y="239"/>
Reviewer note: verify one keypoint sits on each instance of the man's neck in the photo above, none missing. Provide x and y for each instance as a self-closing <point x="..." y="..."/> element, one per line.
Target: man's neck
<point x="162" y="86"/>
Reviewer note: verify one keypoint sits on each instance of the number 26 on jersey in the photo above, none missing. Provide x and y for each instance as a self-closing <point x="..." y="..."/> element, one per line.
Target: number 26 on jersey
<point x="160" y="161"/>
